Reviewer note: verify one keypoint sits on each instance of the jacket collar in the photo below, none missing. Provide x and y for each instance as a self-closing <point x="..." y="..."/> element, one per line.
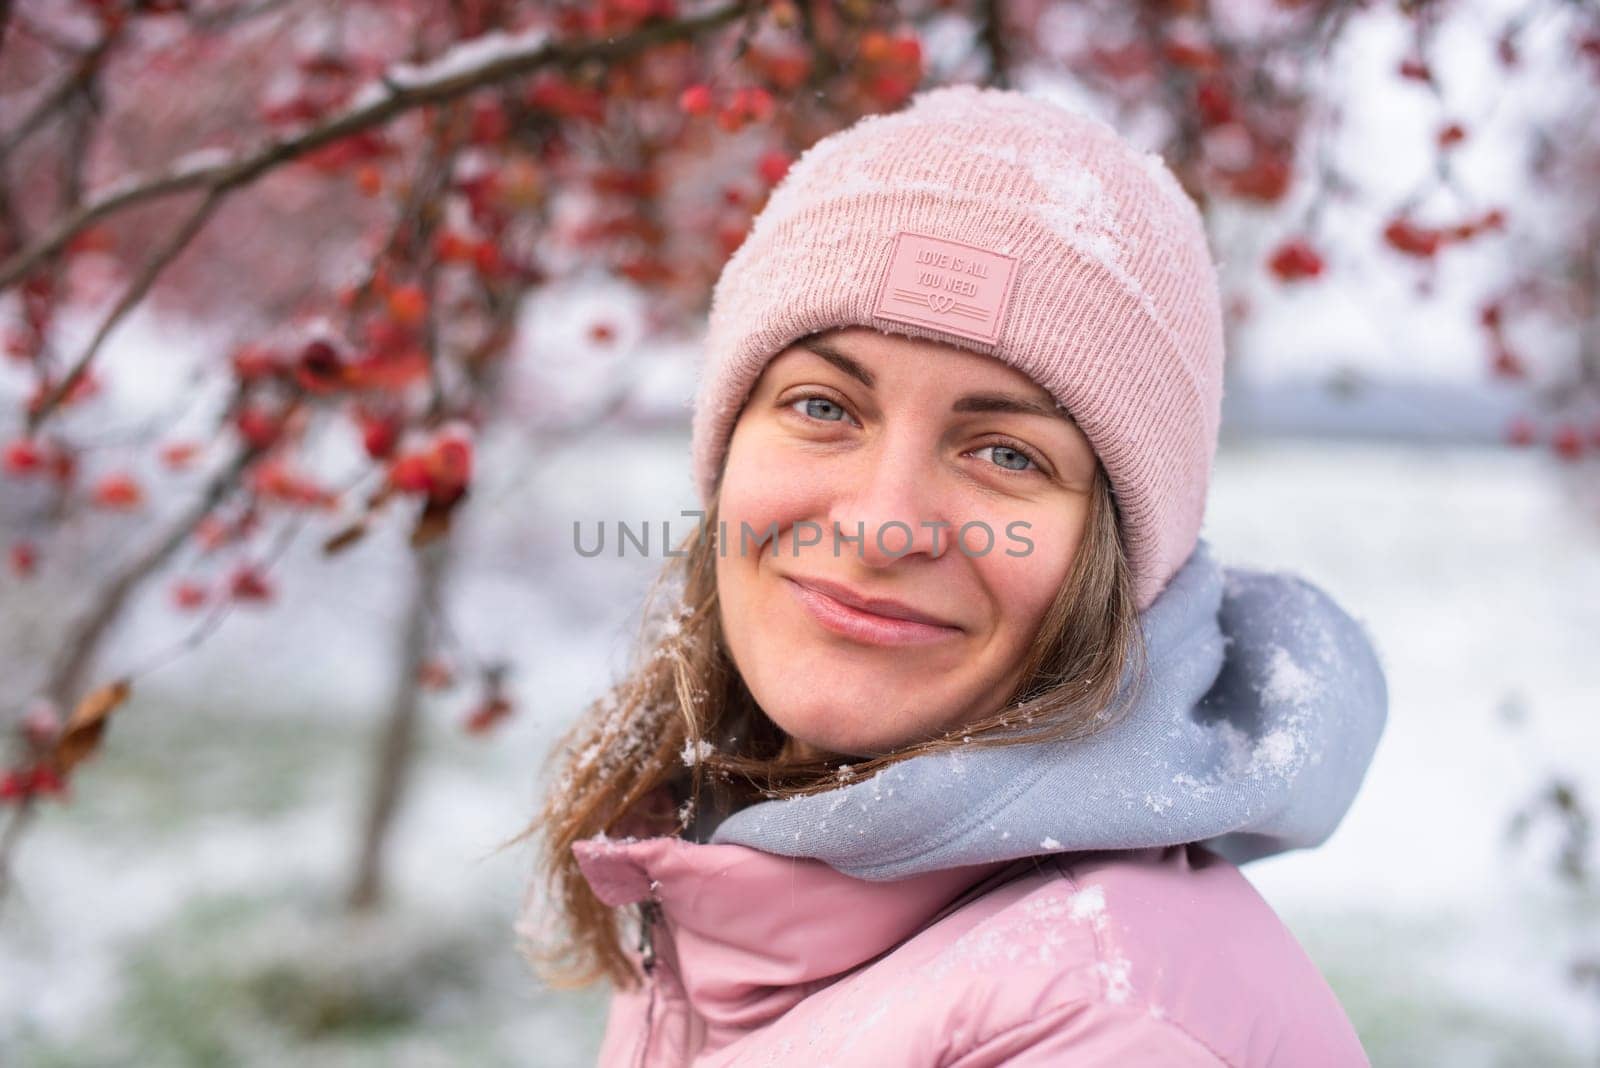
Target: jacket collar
<point x="753" y="933"/>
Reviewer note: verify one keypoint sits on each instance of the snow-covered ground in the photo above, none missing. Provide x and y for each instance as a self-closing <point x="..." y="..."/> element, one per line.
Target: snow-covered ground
<point x="179" y="910"/>
<point x="1481" y="586"/>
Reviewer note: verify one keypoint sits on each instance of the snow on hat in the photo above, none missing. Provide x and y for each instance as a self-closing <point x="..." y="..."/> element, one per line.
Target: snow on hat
<point x="1009" y="225"/>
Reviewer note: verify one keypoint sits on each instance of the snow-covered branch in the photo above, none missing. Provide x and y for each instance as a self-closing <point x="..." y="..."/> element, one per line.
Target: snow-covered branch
<point x="463" y="69"/>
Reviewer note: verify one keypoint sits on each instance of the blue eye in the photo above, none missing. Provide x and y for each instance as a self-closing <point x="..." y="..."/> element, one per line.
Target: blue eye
<point x="820" y="407"/>
<point x="1007" y="457"/>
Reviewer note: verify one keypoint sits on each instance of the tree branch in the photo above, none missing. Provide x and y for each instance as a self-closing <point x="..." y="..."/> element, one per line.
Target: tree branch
<point x="460" y="70"/>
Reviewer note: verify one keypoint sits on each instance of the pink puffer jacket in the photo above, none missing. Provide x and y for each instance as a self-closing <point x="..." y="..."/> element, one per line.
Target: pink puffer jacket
<point x="1165" y="956"/>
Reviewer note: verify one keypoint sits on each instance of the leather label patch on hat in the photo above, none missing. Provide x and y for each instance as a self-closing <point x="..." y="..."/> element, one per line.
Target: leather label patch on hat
<point x="951" y="286"/>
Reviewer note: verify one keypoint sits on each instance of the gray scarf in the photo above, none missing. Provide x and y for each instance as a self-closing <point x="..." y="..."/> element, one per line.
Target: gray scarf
<point x="1261" y="709"/>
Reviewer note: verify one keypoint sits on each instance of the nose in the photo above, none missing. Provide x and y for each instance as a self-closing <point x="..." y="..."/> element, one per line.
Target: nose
<point x="891" y="505"/>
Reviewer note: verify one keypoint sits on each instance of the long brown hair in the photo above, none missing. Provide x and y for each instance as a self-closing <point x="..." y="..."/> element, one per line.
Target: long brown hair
<point x="682" y="718"/>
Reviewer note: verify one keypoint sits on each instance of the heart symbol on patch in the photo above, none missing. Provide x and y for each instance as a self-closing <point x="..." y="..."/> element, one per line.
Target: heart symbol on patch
<point x="941" y="302"/>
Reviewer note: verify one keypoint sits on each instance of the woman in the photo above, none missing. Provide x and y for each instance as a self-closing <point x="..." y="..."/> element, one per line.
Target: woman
<point x="948" y="741"/>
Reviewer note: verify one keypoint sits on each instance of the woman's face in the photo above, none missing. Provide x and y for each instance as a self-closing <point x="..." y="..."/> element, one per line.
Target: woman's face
<point x="863" y="625"/>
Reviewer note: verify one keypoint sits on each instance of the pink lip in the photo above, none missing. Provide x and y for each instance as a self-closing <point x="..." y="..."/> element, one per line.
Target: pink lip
<point x="873" y="620"/>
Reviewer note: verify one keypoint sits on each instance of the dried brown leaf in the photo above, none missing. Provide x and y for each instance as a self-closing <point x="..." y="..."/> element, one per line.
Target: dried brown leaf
<point x="80" y="737"/>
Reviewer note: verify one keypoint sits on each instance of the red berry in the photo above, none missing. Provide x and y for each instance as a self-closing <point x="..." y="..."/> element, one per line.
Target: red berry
<point x="696" y="100"/>
<point x="450" y="462"/>
<point x="379" y="436"/>
<point x="409" y="473"/>
<point x="319" y="366"/>
<point x="1265" y="179"/>
<point x="180" y="454"/>
<point x="435" y="674"/>
<point x="1295" y="260"/>
<point x="487" y="715"/>
<point x="63" y="465"/>
<point x="1214" y="102"/>
<point x="1192" y="55"/>
<point x="369" y="180"/>
<point x="890" y="88"/>
<point x="21" y="345"/>
<point x="24" y="559"/>
<point x="47" y="782"/>
<point x="408" y="304"/>
<point x="487" y="259"/>
<point x="1521" y="431"/>
<point x="758" y="104"/>
<point x="906" y="51"/>
<point x="258" y="427"/>
<point x="119" y="491"/>
<point x="23" y="457"/>
<point x="252" y="361"/>
<point x="773" y="166"/>
<point x="1506" y="364"/>
<point x="188" y="595"/>
<point x="874" y="47"/>
<point x="212" y="533"/>
<point x="1416" y="70"/>
<point x="248" y="584"/>
<point x="452" y="247"/>
<point x="1568" y="442"/>
<point x="1411" y="239"/>
<point x="489" y="122"/>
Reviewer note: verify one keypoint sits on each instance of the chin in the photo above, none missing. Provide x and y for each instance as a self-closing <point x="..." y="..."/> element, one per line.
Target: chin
<point x="822" y="728"/>
<point x="839" y="699"/>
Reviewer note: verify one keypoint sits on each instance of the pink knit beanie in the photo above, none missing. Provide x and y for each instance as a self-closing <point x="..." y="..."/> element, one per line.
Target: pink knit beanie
<point x="1005" y="224"/>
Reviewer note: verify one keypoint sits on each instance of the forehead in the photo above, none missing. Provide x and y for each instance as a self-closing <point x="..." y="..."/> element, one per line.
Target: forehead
<point x="887" y="353"/>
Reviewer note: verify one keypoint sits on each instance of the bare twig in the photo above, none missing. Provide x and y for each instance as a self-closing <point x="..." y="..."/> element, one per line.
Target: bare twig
<point x="423" y="218"/>
<point x="231" y="18"/>
<point x="83" y="72"/>
<point x="135" y="293"/>
<point x="79" y="647"/>
<point x="993" y="32"/>
<point x="823" y="64"/>
<point x="213" y="620"/>
<point x="10" y="839"/>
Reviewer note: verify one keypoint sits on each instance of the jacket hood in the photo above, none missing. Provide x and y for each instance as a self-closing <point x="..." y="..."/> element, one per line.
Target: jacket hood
<point x="1261" y="709"/>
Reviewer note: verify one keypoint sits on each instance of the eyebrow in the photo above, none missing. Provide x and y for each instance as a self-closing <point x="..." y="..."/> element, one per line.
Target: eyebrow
<point x="844" y="363"/>
<point x="972" y="402"/>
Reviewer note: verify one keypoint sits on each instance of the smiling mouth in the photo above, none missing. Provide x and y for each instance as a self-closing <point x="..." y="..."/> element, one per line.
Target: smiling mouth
<point x="871" y="626"/>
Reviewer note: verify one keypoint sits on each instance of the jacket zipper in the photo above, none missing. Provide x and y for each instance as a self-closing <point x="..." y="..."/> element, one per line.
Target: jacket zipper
<point x="649" y="913"/>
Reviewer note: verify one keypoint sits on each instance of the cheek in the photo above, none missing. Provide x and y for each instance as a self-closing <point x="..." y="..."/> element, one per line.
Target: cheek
<point x="1022" y="586"/>
<point x="762" y="486"/>
<point x="763" y="483"/>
